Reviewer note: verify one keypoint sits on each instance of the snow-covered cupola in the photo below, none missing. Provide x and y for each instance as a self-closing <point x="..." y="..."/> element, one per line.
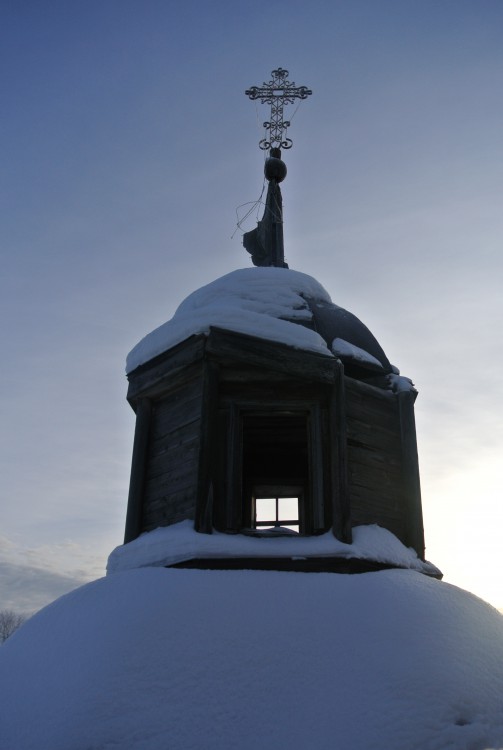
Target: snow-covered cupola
<point x="263" y="409"/>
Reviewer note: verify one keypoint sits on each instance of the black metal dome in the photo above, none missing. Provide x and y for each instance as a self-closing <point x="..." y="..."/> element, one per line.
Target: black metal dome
<point x="334" y="323"/>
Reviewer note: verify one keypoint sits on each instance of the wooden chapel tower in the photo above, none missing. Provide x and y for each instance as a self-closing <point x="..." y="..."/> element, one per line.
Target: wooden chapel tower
<point x="245" y="435"/>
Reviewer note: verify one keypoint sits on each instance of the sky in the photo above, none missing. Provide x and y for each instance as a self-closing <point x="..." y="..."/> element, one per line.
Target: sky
<point x="129" y="148"/>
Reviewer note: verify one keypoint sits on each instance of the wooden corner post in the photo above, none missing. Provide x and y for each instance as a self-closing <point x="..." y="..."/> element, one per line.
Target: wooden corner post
<point x="341" y="510"/>
<point x="138" y="470"/>
<point x="203" y="521"/>
<point x="414" y="530"/>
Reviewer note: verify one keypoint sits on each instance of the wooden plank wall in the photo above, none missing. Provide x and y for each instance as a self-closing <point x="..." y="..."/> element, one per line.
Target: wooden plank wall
<point x="374" y="458"/>
<point x="172" y="470"/>
<point x="134" y="516"/>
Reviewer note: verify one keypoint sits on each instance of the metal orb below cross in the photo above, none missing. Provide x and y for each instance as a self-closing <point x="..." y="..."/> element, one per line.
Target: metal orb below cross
<point x="265" y="243"/>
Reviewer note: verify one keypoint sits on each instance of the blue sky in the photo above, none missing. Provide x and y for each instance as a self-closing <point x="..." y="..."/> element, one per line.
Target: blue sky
<point x="128" y="144"/>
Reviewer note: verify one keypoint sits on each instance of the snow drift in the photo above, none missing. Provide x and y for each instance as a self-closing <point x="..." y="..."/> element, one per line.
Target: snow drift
<point x="160" y="658"/>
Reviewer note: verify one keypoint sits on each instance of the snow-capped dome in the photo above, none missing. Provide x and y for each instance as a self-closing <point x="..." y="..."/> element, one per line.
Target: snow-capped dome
<point x="217" y="660"/>
<point x="277" y="304"/>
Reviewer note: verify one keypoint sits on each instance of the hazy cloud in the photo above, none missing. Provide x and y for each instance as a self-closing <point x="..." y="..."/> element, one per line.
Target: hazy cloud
<point x="26" y="588"/>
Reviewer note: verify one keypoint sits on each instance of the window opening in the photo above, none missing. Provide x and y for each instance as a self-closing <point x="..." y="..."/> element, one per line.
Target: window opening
<point x="273" y="513"/>
<point x="275" y="471"/>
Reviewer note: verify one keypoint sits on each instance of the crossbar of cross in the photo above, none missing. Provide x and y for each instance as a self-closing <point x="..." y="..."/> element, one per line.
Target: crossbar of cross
<point x="278" y="92"/>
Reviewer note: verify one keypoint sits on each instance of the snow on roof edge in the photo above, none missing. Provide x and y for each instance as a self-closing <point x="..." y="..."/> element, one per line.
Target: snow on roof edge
<point x="180" y="542"/>
<point x="264" y="302"/>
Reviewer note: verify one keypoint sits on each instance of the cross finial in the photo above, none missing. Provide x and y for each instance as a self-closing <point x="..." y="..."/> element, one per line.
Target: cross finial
<point x="278" y="92"/>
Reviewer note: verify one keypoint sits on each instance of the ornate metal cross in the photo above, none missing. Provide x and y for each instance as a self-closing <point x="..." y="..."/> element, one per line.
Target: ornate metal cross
<point x="277" y="93"/>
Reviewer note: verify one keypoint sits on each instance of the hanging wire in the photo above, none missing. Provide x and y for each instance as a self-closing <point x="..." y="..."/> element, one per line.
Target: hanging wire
<point x="295" y="110"/>
<point x="255" y="205"/>
<point x="290" y="119"/>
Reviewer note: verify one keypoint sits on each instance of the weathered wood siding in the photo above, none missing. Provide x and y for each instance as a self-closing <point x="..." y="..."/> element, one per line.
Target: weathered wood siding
<point x="196" y="407"/>
<point x="172" y="468"/>
<point x="374" y="458"/>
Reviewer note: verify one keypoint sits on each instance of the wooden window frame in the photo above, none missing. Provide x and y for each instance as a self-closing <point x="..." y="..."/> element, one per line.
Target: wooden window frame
<point x="278" y="492"/>
<point x="313" y="512"/>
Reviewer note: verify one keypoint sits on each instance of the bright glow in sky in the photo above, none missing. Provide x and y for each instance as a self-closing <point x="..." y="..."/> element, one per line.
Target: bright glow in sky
<point x="129" y="143"/>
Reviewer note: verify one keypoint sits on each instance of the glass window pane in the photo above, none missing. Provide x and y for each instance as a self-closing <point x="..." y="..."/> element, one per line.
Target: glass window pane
<point x="265" y="509"/>
<point x="288" y="508"/>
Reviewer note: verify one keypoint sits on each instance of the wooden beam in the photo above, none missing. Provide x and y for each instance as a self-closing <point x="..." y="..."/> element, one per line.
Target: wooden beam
<point x="138" y="470"/>
<point x="234" y="484"/>
<point x="414" y="531"/>
<point x="207" y="449"/>
<point x="316" y="513"/>
<point x="299" y="565"/>
<point x="341" y="509"/>
<point x="152" y="377"/>
<point x="230" y="347"/>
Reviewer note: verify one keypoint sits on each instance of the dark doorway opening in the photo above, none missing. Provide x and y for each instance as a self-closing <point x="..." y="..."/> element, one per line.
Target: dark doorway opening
<point x="275" y="466"/>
